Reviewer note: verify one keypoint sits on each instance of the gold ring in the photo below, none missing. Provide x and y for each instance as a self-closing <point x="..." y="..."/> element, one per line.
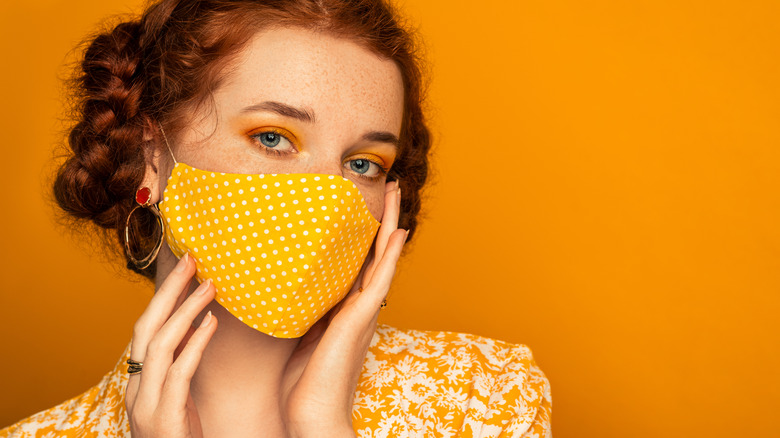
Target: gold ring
<point x="381" y="306"/>
<point x="134" y="367"/>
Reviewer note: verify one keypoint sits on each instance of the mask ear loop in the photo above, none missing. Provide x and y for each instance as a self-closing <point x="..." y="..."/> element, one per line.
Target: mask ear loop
<point x="167" y="144"/>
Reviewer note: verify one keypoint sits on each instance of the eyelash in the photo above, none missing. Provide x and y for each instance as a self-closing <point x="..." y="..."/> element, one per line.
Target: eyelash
<point x="271" y="151"/>
<point x="279" y="153"/>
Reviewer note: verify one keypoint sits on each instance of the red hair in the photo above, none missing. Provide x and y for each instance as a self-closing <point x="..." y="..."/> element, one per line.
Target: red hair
<point x="157" y="68"/>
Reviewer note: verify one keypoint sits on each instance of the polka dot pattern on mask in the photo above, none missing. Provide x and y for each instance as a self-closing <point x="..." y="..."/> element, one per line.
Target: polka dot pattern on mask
<point x="281" y="249"/>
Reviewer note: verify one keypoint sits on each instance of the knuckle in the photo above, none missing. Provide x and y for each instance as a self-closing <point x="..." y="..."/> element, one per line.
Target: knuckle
<point x="157" y="347"/>
<point x="177" y="374"/>
<point x="162" y="427"/>
<point x="153" y="347"/>
<point x="139" y="329"/>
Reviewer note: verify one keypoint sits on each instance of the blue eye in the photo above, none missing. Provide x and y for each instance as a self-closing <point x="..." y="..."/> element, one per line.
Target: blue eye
<point x="365" y="168"/>
<point x="273" y="142"/>
<point x="270" y="139"/>
<point x="360" y="166"/>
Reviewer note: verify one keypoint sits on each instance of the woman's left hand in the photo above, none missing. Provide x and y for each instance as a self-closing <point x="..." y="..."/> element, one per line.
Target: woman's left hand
<point x="321" y="376"/>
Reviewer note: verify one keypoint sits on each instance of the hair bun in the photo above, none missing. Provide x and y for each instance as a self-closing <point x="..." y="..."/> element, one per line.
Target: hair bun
<point x="106" y="165"/>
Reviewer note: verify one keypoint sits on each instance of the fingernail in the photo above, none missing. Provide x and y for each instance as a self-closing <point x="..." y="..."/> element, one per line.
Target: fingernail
<point x="206" y="319"/>
<point x="406" y="236"/>
<point x="182" y="265"/>
<point x="398" y="197"/>
<point x="202" y="288"/>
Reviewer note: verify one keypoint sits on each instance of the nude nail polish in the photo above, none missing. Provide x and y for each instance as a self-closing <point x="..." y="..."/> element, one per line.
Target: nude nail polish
<point x="202" y="288"/>
<point x="206" y="319"/>
<point x="182" y="265"/>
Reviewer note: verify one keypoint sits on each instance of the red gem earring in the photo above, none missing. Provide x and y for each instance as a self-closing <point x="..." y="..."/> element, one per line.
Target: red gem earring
<point x="143" y="197"/>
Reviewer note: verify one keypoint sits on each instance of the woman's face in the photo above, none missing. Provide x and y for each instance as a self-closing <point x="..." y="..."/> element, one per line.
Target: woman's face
<point x="296" y="101"/>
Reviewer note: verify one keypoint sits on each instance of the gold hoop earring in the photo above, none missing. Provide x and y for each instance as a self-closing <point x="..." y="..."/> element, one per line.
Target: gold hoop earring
<point x="142" y="198"/>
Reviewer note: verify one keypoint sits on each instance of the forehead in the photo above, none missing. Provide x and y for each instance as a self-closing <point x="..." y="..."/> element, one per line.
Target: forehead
<point x="337" y="78"/>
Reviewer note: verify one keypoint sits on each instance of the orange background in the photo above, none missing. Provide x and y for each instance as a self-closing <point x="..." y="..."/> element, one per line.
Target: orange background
<point x="607" y="192"/>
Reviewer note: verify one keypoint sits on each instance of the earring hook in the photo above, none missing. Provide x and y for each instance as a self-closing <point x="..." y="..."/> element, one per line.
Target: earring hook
<point x="167" y="144"/>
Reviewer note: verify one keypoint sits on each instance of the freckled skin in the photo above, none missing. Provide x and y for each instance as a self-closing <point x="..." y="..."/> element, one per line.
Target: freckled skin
<point x="350" y="90"/>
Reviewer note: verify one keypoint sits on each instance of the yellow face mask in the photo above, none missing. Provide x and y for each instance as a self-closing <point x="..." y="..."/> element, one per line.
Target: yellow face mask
<point x="281" y="249"/>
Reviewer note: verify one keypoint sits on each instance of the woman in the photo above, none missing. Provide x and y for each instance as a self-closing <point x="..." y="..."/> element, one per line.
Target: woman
<point x="275" y="152"/>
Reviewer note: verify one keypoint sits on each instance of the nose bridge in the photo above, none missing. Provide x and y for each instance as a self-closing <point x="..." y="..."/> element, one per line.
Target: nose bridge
<point x="325" y="157"/>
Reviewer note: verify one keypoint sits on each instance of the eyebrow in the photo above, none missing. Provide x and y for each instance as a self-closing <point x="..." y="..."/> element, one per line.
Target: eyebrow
<point x="282" y="109"/>
<point x="383" y="137"/>
<point x="306" y="115"/>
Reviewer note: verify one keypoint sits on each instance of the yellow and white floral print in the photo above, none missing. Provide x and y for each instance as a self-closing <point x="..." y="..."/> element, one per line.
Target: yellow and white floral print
<point x="442" y="384"/>
<point x="413" y="384"/>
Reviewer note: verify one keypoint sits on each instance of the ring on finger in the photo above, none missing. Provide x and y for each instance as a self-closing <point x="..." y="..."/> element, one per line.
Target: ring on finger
<point x="381" y="306"/>
<point x="134" y="367"/>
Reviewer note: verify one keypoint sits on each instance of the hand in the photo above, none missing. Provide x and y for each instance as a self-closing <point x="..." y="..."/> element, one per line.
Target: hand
<point x="158" y="399"/>
<point x="321" y="376"/>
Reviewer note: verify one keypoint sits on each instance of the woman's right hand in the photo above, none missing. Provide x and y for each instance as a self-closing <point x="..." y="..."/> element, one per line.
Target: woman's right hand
<point x="158" y="399"/>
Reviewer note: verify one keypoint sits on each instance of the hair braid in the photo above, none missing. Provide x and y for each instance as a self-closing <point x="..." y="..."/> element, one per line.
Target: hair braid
<point x="97" y="182"/>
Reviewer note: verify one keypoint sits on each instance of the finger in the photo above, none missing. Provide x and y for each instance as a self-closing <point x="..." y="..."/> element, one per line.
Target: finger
<point x="159" y="353"/>
<point x="181" y="298"/>
<point x="389" y="224"/>
<point x="171" y="294"/>
<point x="190" y="330"/>
<point x="131" y="391"/>
<point x="134" y="380"/>
<point x="184" y="340"/>
<point x="377" y="289"/>
<point x="357" y="286"/>
<point x="361" y="279"/>
<point x="161" y="306"/>
<point x="176" y="390"/>
<point x="389" y="218"/>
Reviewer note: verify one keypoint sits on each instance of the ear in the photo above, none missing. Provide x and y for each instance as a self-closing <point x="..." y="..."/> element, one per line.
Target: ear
<point x="152" y="154"/>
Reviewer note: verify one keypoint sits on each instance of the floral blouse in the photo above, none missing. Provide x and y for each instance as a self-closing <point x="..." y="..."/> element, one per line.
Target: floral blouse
<point x="413" y="384"/>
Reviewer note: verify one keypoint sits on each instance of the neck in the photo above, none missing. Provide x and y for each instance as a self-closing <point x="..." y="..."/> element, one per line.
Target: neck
<point x="237" y="385"/>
